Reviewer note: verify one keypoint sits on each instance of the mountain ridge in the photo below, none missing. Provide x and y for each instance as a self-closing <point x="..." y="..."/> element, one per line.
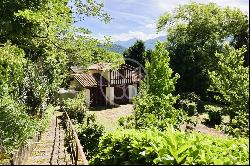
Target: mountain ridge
<point x="149" y="44"/>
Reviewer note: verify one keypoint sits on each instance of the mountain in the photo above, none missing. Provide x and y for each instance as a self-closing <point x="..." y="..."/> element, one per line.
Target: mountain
<point x="117" y="48"/>
<point x="149" y="44"/>
<point x="127" y="43"/>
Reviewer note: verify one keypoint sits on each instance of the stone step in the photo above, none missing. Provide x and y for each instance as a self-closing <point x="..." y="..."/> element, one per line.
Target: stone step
<point x="50" y="149"/>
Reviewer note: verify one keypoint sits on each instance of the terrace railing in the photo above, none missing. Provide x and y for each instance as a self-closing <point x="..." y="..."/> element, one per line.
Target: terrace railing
<point x="76" y="150"/>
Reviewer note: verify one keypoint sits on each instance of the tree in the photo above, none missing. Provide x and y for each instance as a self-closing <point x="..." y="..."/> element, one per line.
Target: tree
<point x="154" y="104"/>
<point x="195" y="33"/>
<point x="44" y="30"/>
<point x="136" y="53"/>
<point x="231" y="79"/>
<point x="38" y="44"/>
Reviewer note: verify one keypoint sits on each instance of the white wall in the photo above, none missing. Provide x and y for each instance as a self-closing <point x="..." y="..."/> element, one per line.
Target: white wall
<point x="87" y="93"/>
<point x="110" y="95"/>
<point x="132" y="91"/>
<point x="105" y="74"/>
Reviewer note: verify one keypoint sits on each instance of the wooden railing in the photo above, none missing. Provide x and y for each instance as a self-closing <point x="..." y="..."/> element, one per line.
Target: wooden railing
<point x="77" y="154"/>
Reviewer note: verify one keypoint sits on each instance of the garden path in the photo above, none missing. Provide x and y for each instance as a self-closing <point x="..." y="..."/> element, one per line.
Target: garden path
<point x="50" y="150"/>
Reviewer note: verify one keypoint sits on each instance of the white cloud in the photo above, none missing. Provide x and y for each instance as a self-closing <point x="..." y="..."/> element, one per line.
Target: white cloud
<point x="168" y="5"/>
<point x="151" y="26"/>
<point x="126" y="16"/>
<point x="134" y="34"/>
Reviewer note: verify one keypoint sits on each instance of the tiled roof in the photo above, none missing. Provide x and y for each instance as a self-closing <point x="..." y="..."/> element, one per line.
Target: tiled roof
<point x="91" y="80"/>
<point x="99" y="66"/>
<point x="76" y="69"/>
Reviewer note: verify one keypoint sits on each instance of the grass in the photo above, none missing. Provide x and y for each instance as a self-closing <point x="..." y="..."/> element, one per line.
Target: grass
<point x="109" y="117"/>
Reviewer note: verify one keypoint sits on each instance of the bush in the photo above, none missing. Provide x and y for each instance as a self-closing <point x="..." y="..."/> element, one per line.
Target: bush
<point x="237" y="126"/>
<point x="191" y="103"/>
<point x="12" y="67"/>
<point x="151" y="110"/>
<point x="76" y="107"/>
<point x="189" y="107"/>
<point x="215" y="114"/>
<point x="169" y="147"/>
<point x="89" y="133"/>
<point x="127" y="122"/>
<point x="46" y="120"/>
<point x="16" y="126"/>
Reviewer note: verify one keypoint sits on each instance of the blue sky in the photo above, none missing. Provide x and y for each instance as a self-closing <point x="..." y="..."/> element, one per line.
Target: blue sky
<point x="137" y="18"/>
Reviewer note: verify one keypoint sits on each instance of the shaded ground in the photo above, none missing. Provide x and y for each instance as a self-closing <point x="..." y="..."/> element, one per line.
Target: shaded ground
<point x="50" y="149"/>
<point x="108" y="117"/>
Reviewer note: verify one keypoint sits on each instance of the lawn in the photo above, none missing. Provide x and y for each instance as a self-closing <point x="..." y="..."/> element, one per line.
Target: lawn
<point x="109" y="117"/>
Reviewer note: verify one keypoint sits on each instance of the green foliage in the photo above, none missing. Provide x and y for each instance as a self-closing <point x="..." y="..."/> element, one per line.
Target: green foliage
<point x="76" y="107"/>
<point x="231" y="79"/>
<point x="89" y="133"/>
<point x="15" y="125"/>
<point x="169" y="148"/>
<point x="195" y="32"/>
<point x="191" y="103"/>
<point x="156" y="111"/>
<point x="46" y="119"/>
<point x="189" y="107"/>
<point x="215" y="114"/>
<point x="12" y="65"/>
<point x="154" y="104"/>
<point x="38" y="44"/>
<point x="44" y="31"/>
<point x="161" y="79"/>
<point x="127" y="122"/>
<point x="137" y="53"/>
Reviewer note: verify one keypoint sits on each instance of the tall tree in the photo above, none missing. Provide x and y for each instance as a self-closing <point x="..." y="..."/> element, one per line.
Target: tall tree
<point x="38" y="44"/>
<point x="154" y="104"/>
<point x="231" y="79"/>
<point x="135" y="54"/>
<point x="195" y="33"/>
<point x="45" y="30"/>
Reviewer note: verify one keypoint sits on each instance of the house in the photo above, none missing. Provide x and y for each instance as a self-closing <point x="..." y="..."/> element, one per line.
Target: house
<point x="104" y="86"/>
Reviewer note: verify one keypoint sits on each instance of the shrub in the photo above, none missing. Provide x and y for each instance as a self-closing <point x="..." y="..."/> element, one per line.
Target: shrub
<point x="231" y="80"/>
<point x="89" y="133"/>
<point x="127" y="122"/>
<point x="12" y="67"/>
<point x="46" y="120"/>
<point x="215" y="114"/>
<point x="155" y="111"/>
<point x="16" y="126"/>
<point x="189" y="107"/>
<point x="76" y="107"/>
<point x="191" y="103"/>
<point x="169" y="147"/>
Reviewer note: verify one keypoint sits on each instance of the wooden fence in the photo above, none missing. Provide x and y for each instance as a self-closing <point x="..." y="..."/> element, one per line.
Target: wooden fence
<point x="77" y="154"/>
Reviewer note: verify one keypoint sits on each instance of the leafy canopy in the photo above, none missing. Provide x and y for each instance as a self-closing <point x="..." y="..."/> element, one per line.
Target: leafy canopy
<point x="136" y="53"/>
<point x="195" y="32"/>
<point x="231" y="79"/>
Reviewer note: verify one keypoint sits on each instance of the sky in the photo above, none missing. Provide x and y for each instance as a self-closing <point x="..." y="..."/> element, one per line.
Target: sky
<point x="137" y="18"/>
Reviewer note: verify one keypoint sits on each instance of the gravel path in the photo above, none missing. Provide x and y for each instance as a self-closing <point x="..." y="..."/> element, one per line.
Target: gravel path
<point x="109" y="117"/>
<point x="50" y="149"/>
